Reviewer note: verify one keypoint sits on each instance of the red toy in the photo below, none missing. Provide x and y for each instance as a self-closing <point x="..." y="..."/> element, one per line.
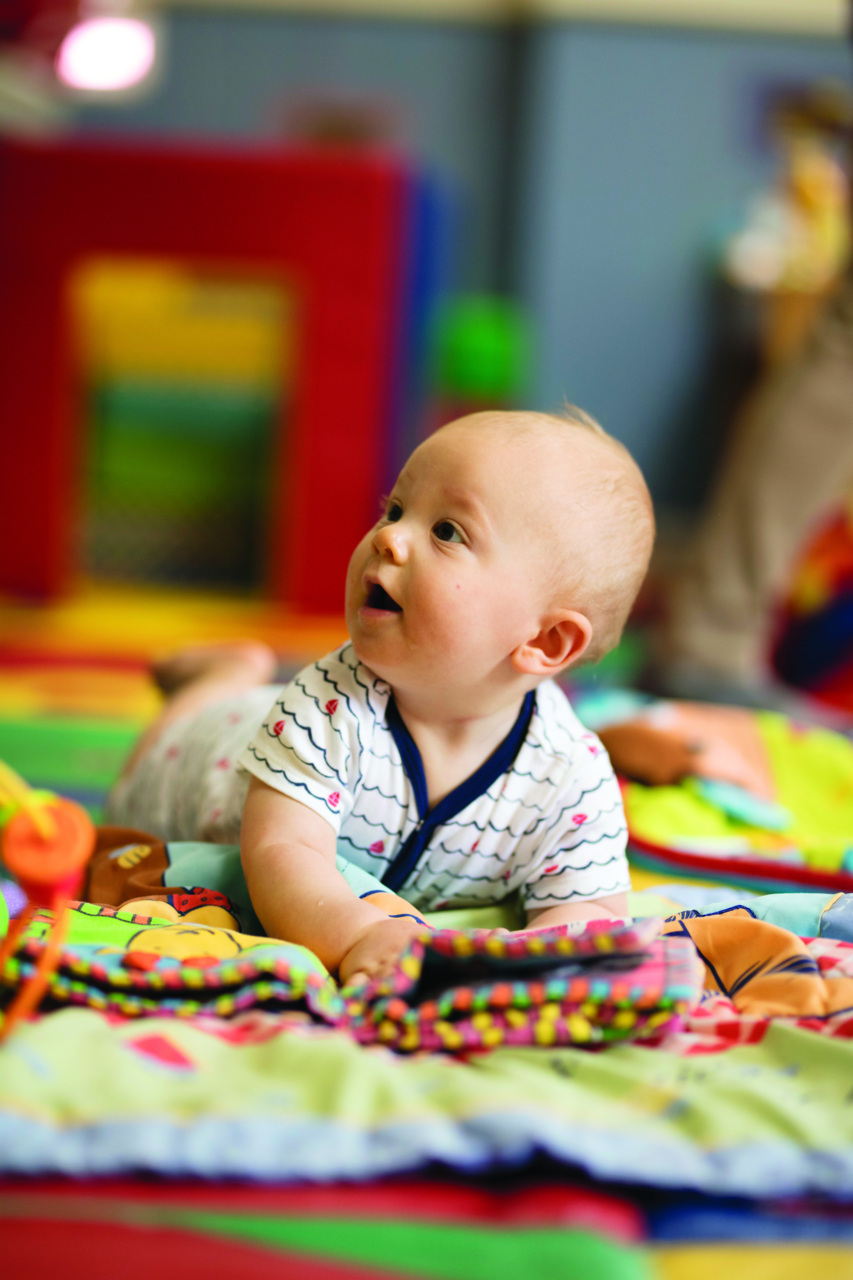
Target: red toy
<point x="334" y="226"/>
<point x="46" y="843"/>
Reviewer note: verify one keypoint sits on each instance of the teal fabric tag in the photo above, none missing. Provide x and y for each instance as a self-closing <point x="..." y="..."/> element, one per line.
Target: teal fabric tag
<point x="799" y="912"/>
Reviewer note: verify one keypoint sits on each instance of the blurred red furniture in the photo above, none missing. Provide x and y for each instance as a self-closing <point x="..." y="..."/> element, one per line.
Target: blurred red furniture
<point x="333" y="226"/>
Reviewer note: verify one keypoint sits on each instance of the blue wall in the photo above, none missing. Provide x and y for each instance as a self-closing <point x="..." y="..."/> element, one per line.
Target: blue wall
<point x="639" y="146"/>
<point x="229" y="75"/>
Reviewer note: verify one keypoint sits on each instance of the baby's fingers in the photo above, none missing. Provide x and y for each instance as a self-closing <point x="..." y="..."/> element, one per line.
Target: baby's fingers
<point x="367" y="973"/>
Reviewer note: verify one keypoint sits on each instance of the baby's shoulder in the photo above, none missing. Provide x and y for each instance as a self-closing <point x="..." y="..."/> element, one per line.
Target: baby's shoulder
<point x="342" y="687"/>
<point x="558" y="736"/>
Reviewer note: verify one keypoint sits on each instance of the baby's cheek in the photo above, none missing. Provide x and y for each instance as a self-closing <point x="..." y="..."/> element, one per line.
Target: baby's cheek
<point x="355" y="569"/>
<point x="356" y="559"/>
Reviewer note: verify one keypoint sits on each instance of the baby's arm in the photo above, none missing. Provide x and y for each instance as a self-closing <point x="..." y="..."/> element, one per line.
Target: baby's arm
<point x="288" y="855"/>
<point x="615" y="906"/>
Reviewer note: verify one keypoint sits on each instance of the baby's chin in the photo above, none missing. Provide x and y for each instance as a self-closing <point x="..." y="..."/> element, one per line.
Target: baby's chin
<point x="369" y="655"/>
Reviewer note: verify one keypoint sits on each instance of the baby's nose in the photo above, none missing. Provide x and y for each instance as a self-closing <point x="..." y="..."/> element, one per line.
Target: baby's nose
<point x="389" y="540"/>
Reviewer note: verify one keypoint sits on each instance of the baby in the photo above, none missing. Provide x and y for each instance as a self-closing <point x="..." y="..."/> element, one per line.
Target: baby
<point x="433" y="748"/>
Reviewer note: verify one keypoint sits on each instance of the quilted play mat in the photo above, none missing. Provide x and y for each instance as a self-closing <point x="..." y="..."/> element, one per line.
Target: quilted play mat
<point x="575" y="1126"/>
<point x="742" y="1091"/>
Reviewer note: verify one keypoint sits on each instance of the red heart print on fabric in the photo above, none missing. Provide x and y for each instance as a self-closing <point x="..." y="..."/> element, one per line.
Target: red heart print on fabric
<point x="163" y="1051"/>
<point x="278" y="728"/>
<point x="378" y="846"/>
<point x="332" y="706"/>
<point x="578" y="818"/>
<point x="334" y="799"/>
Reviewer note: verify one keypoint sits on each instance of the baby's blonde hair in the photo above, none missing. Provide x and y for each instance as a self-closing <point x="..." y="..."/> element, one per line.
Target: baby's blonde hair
<point x="600" y="573"/>
<point x="597" y="540"/>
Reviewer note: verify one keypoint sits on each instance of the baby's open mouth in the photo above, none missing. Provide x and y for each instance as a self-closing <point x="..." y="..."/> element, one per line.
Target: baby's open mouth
<point x="378" y="598"/>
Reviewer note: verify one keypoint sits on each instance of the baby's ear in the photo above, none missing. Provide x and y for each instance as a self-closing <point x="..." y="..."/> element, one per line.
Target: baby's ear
<point x="563" y="639"/>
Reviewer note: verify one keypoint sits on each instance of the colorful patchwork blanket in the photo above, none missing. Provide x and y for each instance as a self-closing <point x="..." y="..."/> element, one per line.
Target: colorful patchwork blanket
<point x="179" y="1078"/>
<point x="278" y="1096"/>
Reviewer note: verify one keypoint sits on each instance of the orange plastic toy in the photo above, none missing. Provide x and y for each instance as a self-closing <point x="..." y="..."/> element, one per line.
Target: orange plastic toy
<point x="45" y="842"/>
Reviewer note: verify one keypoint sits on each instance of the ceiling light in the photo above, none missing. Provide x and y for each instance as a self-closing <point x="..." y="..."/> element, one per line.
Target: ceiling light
<point x="104" y="54"/>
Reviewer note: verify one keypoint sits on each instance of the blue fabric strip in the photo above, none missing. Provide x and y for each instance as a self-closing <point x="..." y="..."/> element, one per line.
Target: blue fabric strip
<point x="410" y="755"/>
<point x="501" y="759"/>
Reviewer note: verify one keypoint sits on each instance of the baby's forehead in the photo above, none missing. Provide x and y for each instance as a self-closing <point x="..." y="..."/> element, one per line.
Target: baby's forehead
<point x="523" y="449"/>
<point x="517" y="480"/>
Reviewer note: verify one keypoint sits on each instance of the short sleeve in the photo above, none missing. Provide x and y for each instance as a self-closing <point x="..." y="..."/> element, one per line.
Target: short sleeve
<point x="581" y="853"/>
<point x="308" y="747"/>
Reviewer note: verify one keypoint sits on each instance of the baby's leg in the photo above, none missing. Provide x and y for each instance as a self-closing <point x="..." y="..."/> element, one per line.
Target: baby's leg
<point x="195" y="678"/>
<point x="182" y="781"/>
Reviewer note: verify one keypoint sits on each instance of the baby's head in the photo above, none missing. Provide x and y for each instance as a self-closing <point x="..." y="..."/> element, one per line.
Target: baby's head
<point x="597" y="522"/>
<point x="513" y="544"/>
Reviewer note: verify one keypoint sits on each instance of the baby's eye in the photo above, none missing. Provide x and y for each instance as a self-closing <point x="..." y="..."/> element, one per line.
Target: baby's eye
<point x="393" y="512"/>
<point x="446" y="531"/>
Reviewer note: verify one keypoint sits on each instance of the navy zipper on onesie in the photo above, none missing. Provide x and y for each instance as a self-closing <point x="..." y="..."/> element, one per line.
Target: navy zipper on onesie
<point x="501" y="759"/>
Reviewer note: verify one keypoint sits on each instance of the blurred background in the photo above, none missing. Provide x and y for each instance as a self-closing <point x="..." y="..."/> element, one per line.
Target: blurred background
<point x="253" y="251"/>
<point x="640" y="209"/>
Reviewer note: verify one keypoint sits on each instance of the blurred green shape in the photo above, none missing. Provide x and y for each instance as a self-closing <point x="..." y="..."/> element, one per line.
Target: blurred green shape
<point x="196" y="411"/>
<point x="440" y="1250"/>
<point x="622" y="666"/>
<point x="481" y="349"/>
<point x="175" y="474"/>
<point x="67" y="752"/>
<point x="183" y="448"/>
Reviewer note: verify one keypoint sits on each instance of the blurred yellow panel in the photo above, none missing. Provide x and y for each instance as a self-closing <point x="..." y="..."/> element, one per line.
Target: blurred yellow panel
<point x="41" y="690"/>
<point x="163" y="321"/>
<point x="446" y="10"/>
<point x="753" y="1262"/>
<point x="137" y="621"/>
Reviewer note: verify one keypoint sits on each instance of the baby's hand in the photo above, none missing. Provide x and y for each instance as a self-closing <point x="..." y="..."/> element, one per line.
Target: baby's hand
<point x="377" y="950"/>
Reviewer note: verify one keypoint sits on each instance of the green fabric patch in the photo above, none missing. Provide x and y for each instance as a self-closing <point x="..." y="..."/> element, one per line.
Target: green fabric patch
<point x="813" y="772"/>
<point x="441" y="1251"/>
